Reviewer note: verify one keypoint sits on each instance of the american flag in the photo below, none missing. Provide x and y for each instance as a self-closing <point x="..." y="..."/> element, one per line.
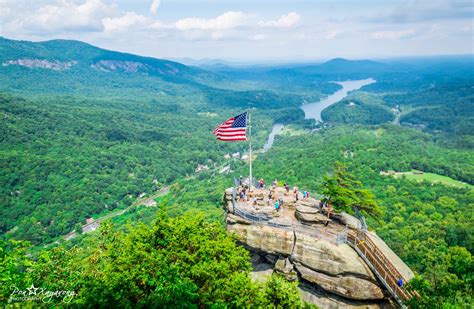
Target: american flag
<point x="232" y="129"/>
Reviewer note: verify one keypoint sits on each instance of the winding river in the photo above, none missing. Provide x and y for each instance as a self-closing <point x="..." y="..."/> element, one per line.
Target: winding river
<point x="313" y="110"/>
<point x="277" y="127"/>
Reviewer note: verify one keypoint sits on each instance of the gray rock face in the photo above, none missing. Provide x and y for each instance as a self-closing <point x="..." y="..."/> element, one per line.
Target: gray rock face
<point x="340" y="276"/>
<point x="233" y="219"/>
<point x="309" y="202"/>
<point x="325" y="300"/>
<point x="329" y="258"/>
<point x="117" y="65"/>
<point x="309" y="215"/>
<point x="230" y="207"/>
<point x="335" y="268"/>
<point x="306" y="210"/>
<point x="264" y="238"/>
<point x="262" y="270"/>
<point x="348" y="220"/>
<point x="347" y="286"/>
<point x="285" y="267"/>
<point x="42" y="63"/>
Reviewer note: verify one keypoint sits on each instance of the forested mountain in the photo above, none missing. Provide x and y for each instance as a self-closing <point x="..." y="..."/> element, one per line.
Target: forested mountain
<point x="86" y="131"/>
<point x="82" y="58"/>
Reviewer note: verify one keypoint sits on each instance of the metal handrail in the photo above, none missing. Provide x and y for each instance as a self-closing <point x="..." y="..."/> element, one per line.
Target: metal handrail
<point x="338" y="238"/>
<point x="249" y="216"/>
<point x="382" y="256"/>
<point x="280" y="225"/>
<point x="372" y="256"/>
<point x="379" y="259"/>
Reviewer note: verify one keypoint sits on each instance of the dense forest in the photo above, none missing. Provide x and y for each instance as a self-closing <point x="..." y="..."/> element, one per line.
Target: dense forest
<point x="90" y="139"/>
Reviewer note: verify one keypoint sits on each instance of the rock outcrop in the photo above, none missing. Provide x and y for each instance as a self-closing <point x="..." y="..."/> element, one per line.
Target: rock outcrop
<point x="42" y="63"/>
<point x="264" y="238"/>
<point x="309" y="214"/>
<point x="330" y="273"/>
<point x="346" y="286"/>
<point x="323" y="256"/>
<point x="285" y="267"/>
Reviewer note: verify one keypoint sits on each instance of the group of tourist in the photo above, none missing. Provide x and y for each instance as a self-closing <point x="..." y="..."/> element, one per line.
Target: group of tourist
<point x="248" y="196"/>
<point x="272" y="197"/>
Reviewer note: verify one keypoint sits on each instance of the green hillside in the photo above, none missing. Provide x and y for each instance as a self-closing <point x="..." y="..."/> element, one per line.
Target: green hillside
<point x="86" y="131"/>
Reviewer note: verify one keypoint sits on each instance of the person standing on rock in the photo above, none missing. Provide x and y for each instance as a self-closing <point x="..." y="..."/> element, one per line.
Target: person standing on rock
<point x="277" y="206"/>
<point x="241" y="196"/>
<point x="329" y="211"/>
<point x="400" y="282"/>
<point x="254" y="201"/>
<point x="287" y="188"/>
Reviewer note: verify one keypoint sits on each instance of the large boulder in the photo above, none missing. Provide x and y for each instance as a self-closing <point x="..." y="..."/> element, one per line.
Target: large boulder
<point x="309" y="202"/>
<point x="345" y="285"/>
<point x="311" y="218"/>
<point x="324" y="300"/>
<point x="262" y="270"/>
<point x="326" y="257"/>
<point x="285" y="267"/>
<point x="264" y="238"/>
<point x="306" y="209"/>
<point x="309" y="214"/>
<point x="233" y="219"/>
<point x="348" y="220"/>
<point x="230" y="207"/>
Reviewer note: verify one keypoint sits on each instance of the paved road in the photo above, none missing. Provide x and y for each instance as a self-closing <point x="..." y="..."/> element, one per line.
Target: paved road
<point x="89" y="227"/>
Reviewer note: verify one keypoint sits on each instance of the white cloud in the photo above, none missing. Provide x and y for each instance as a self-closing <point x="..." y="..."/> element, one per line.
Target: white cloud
<point x="125" y="21"/>
<point x="393" y="35"/>
<point x="258" y="37"/>
<point x="332" y="34"/>
<point x="228" y="20"/>
<point x="422" y="11"/>
<point x="285" y="21"/>
<point x="154" y="6"/>
<point x="63" y="16"/>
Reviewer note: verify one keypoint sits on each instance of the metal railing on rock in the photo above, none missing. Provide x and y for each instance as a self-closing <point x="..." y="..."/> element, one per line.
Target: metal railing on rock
<point x="249" y="216"/>
<point x="383" y="268"/>
<point x="336" y="238"/>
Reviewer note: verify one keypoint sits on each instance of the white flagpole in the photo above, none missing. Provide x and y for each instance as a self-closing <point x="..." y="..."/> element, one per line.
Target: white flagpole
<point x="250" y="146"/>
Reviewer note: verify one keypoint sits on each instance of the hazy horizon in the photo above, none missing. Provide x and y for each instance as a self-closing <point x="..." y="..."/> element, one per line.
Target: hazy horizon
<point x="249" y="31"/>
<point x="270" y="61"/>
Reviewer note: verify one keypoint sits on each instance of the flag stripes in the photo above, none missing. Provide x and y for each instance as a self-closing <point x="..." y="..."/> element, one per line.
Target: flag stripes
<point x="233" y="129"/>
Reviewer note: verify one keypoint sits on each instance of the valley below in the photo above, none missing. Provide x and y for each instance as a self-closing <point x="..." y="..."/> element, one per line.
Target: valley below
<point x="92" y="134"/>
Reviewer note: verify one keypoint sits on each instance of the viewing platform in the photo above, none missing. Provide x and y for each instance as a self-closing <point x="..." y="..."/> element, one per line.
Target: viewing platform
<point x="299" y="214"/>
<point x="336" y="252"/>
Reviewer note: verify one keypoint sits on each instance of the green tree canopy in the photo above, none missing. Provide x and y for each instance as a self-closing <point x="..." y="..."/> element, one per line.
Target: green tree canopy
<point x="344" y="192"/>
<point x="176" y="262"/>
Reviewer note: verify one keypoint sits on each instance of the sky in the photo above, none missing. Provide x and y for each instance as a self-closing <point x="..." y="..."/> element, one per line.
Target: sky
<point x="245" y="30"/>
